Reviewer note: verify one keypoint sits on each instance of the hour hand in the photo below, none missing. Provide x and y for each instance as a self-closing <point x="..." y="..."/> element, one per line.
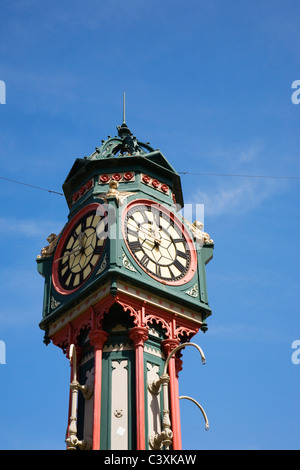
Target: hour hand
<point x="146" y="232"/>
<point x="156" y="231"/>
<point x="81" y="239"/>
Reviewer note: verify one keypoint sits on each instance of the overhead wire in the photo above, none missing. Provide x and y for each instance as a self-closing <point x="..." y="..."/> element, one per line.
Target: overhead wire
<point x="31" y="186"/>
<point x="179" y="172"/>
<point x="239" y="175"/>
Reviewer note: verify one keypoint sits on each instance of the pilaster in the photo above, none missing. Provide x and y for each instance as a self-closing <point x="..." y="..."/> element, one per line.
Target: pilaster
<point x="139" y="335"/>
<point x="97" y="339"/>
<point x="168" y="346"/>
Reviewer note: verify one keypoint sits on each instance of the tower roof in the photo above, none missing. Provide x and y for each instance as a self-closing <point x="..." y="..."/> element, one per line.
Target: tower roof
<point x="123" y="149"/>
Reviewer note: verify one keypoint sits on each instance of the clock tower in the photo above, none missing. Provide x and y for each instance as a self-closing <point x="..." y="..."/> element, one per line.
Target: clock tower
<point x="125" y="287"/>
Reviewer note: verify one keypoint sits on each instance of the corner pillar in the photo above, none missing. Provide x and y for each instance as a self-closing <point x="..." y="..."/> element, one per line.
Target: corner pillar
<point x="139" y="335"/>
<point x="97" y="339"/>
<point x="168" y="346"/>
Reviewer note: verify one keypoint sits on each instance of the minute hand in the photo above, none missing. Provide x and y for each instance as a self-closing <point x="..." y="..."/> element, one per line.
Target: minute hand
<point x="69" y="253"/>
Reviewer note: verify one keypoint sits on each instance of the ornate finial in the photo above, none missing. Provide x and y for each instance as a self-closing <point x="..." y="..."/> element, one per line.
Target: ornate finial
<point x="123" y="130"/>
<point x="125" y="143"/>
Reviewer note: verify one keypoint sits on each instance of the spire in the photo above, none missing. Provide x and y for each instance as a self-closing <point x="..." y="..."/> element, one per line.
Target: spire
<point x="123" y="129"/>
<point x="124" y="121"/>
<point x="125" y="143"/>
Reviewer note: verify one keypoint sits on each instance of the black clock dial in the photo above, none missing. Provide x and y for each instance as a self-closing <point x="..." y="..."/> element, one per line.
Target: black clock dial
<point x="158" y="242"/>
<point x="80" y="249"/>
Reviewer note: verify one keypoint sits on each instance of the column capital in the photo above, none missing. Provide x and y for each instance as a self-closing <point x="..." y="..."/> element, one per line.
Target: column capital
<point x="98" y="338"/>
<point x="138" y="334"/>
<point x="169" y="344"/>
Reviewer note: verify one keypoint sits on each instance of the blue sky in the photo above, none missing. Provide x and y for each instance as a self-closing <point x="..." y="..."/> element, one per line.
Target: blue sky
<point x="209" y="84"/>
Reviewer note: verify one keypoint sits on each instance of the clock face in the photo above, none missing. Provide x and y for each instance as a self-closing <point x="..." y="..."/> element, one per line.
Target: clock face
<point x="159" y="242"/>
<point x="79" y="249"/>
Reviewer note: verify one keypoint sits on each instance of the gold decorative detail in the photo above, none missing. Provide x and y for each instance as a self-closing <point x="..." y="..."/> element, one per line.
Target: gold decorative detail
<point x="201" y="237"/>
<point x="49" y="249"/>
<point x="127" y="264"/>
<point x="54" y="303"/>
<point x="113" y="189"/>
<point x="103" y="265"/>
<point x="113" y="192"/>
<point x="119" y="413"/>
<point x="193" y="292"/>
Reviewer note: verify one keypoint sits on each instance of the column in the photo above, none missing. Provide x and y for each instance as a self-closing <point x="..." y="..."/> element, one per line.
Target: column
<point x="139" y="335"/>
<point x="168" y="346"/>
<point x="78" y="356"/>
<point x="97" y="340"/>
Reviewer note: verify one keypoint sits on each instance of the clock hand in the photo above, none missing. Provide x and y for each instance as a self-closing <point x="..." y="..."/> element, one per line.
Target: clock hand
<point x="81" y="239"/>
<point x="156" y="230"/>
<point x="69" y="253"/>
<point x="146" y="233"/>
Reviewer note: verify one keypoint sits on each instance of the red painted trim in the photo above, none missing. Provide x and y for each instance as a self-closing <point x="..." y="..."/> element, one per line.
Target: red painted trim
<point x="139" y="335"/>
<point x="97" y="339"/>
<point x="168" y="346"/>
<point x="193" y="267"/>
<point x="61" y="244"/>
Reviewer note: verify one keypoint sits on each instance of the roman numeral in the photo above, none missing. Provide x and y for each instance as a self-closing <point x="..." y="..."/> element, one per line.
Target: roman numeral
<point x="178" y="240"/>
<point x="178" y="265"/>
<point x="157" y="270"/>
<point x="172" y="275"/>
<point x="135" y="246"/>
<point x="63" y="263"/>
<point x="65" y="276"/>
<point x="182" y="254"/>
<point x="145" y="218"/>
<point x="144" y="261"/>
<point x="97" y="249"/>
<point x="132" y="232"/>
<point x="81" y="277"/>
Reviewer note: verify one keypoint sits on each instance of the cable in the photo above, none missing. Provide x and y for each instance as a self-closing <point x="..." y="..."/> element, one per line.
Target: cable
<point x="241" y="176"/>
<point x="30" y="186"/>
<point x="179" y="172"/>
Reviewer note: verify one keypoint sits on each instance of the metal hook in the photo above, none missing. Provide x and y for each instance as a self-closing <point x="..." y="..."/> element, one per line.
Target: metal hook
<point x="166" y="436"/>
<point x="199" y="406"/>
<point x="183" y="346"/>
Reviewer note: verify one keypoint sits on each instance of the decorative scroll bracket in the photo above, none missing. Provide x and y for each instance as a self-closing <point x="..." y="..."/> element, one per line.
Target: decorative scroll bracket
<point x="165" y="438"/>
